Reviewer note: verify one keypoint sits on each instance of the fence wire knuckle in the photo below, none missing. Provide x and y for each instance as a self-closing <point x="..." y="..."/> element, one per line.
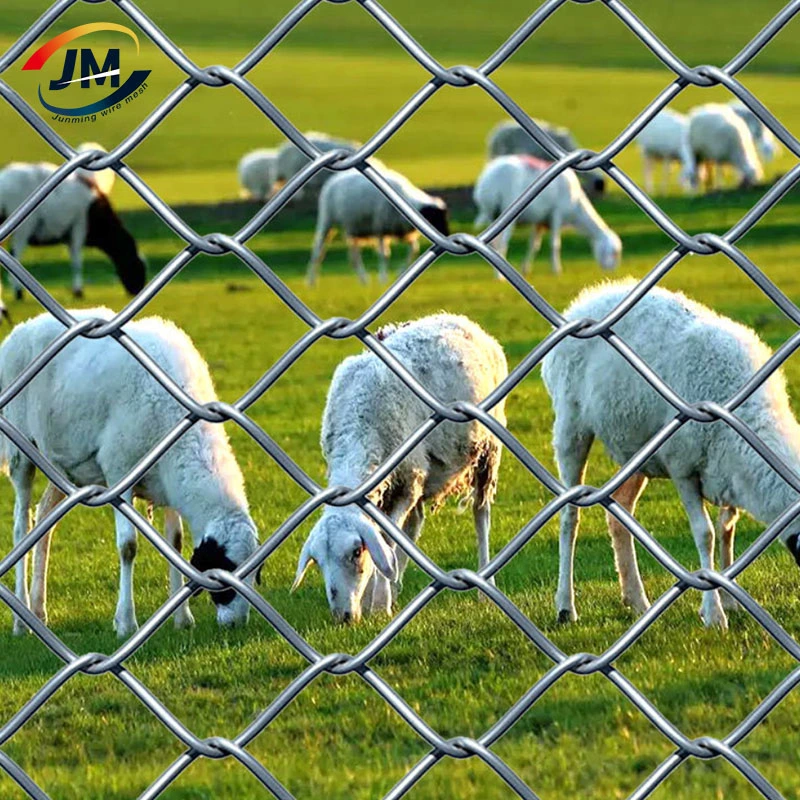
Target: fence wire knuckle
<point x="337" y="328"/>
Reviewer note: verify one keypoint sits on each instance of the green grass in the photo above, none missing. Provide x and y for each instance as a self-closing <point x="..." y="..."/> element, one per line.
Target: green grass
<point x="460" y="664"/>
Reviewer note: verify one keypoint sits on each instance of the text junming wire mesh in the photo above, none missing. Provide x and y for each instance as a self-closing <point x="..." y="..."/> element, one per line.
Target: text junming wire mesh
<point x="340" y="328"/>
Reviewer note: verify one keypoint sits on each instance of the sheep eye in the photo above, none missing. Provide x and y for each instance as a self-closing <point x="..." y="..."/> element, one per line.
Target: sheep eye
<point x="356" y="554"/>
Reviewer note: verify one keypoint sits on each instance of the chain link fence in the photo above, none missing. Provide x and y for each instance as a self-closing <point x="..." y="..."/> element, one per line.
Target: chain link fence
<point x="339" y="328"/>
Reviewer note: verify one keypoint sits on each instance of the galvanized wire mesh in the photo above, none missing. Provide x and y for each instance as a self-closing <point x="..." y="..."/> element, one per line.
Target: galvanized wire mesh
<point x="340" y="328"/>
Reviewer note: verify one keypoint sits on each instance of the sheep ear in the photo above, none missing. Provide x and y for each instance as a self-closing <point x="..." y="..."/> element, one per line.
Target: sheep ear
<point x="382" y="554"/>
<point x="303" y="563"/>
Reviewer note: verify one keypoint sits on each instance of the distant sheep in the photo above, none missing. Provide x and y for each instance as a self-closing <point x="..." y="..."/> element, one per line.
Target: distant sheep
<point x="509" y="138"/>
<point x="75" y="213"/>
<point x="702" y="356"/>
<point x="290" y="160"/>
<point x="561" y="203"/>
<point x="368" y="415"/>
<point x="665" y="140"/>
<point x="352" y="203"/>
<point x="95" y="412"/>
<point x="766" y="143"/>
<point x="718" y="136"/>
<point x="257" y="171"/>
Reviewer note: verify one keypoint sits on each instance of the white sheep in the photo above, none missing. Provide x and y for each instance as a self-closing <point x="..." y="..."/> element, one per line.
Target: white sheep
<point x="766" y="143"/>
<point x="352" y="203"/>
<point x="702" y="356"/>
<point x="368" y="415"/>
<point x="103" y="180"/>
<point x="718" y="136"/>
<point x="95" y="412"/>
<point x="561" y="203"/>
<point x="290" y="160"/>
<point x="664" y="139"/>
<point x="509" y="138"/>
<point x="256" y="172"/>
<point x="75" y="213"/>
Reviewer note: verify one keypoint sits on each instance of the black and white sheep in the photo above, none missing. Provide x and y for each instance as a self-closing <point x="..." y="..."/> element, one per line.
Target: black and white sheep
<point x="702" y="356"/>
<point x="368" y="415"/>
<point x="75" y="213"/>
<point x="561" y="203"/>
<point x="95" y="412"/>
<point x="352" y="203"/>
<point x="289" y="160"/>
<point x="509" y="138"/>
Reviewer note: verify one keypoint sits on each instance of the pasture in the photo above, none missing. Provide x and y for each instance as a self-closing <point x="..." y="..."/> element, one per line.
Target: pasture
<point x="460" y="663"/>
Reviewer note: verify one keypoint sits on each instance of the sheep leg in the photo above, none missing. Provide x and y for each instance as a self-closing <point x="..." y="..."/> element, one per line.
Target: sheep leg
<point x="76" y="242"/>
<point x="383" y="593"/>
<point x="500" y="244"/>
<point x="703" y="531"/>
<point x="630" y="581"/>
<point x="50" y="499"/>
<point x="322" y="237"/>
<point x="534" y="245"/>
<point x="667" y="164"/>
<point x="18" y="245"/>
<point x="383" y="259"/>
<point x="572" y="451"/>
<point x="357" y="261"/>
<point x="21" y="473"/>
<point x="726" y="529"/>
<point x="173" y="530"/>
<point x="413" y="250"/>
<point x="555" y="243"/>
<point x="412" y="527"/>
<point x="647" y="172"/>
<point x="125" y="616"/>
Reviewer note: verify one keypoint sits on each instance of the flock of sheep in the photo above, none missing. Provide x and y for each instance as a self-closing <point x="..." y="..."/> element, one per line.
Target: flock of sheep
<point x="94" y="433"/>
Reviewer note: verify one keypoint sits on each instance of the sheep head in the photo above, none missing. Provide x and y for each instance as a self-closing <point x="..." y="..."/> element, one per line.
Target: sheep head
<point x="348" y="548"/>
<point x="225" y="545"/>
<point x="607" y="249"/>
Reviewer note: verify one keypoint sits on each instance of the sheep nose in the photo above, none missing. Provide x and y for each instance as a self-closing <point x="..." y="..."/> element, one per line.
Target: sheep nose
<point x="347" y="618"/>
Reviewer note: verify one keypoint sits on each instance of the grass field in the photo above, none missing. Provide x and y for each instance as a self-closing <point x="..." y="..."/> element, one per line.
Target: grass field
<point x="460" y="664"/>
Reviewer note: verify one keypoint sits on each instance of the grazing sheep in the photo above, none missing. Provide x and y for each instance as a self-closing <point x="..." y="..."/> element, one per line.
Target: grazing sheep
<point x="365" y="215"/>
<point x="95" y="412"/>
<point x="717" y="136"/>
<point x="257" y="173"/>
<point x="702" y="356"/>
<point x="290" y="160"/>
<point x="561" y="203"/>
<point x="664" y="139"/>
<point x="509" y="138"/>
<point x="766" y="143"/>
<point x="368" y="415"/>
<point x="76" y="213"/>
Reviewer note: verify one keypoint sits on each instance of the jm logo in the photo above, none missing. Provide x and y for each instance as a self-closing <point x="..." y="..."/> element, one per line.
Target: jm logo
<point x="93" y="73"/>
<point x="89" y="69"/>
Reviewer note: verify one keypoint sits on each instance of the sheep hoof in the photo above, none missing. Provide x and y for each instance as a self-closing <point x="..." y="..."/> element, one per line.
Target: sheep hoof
<point x="125" y="628"/>
<point x="77" y="294"/>
<point x="638" y="604"/>
<point x="565" y="616"/>
<point x="20" y="628"/>
<point x="715" y="618"/>
<point x="18" y="294"/>
<point x="729" y="602"/>
<point x="183" y="621"/>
